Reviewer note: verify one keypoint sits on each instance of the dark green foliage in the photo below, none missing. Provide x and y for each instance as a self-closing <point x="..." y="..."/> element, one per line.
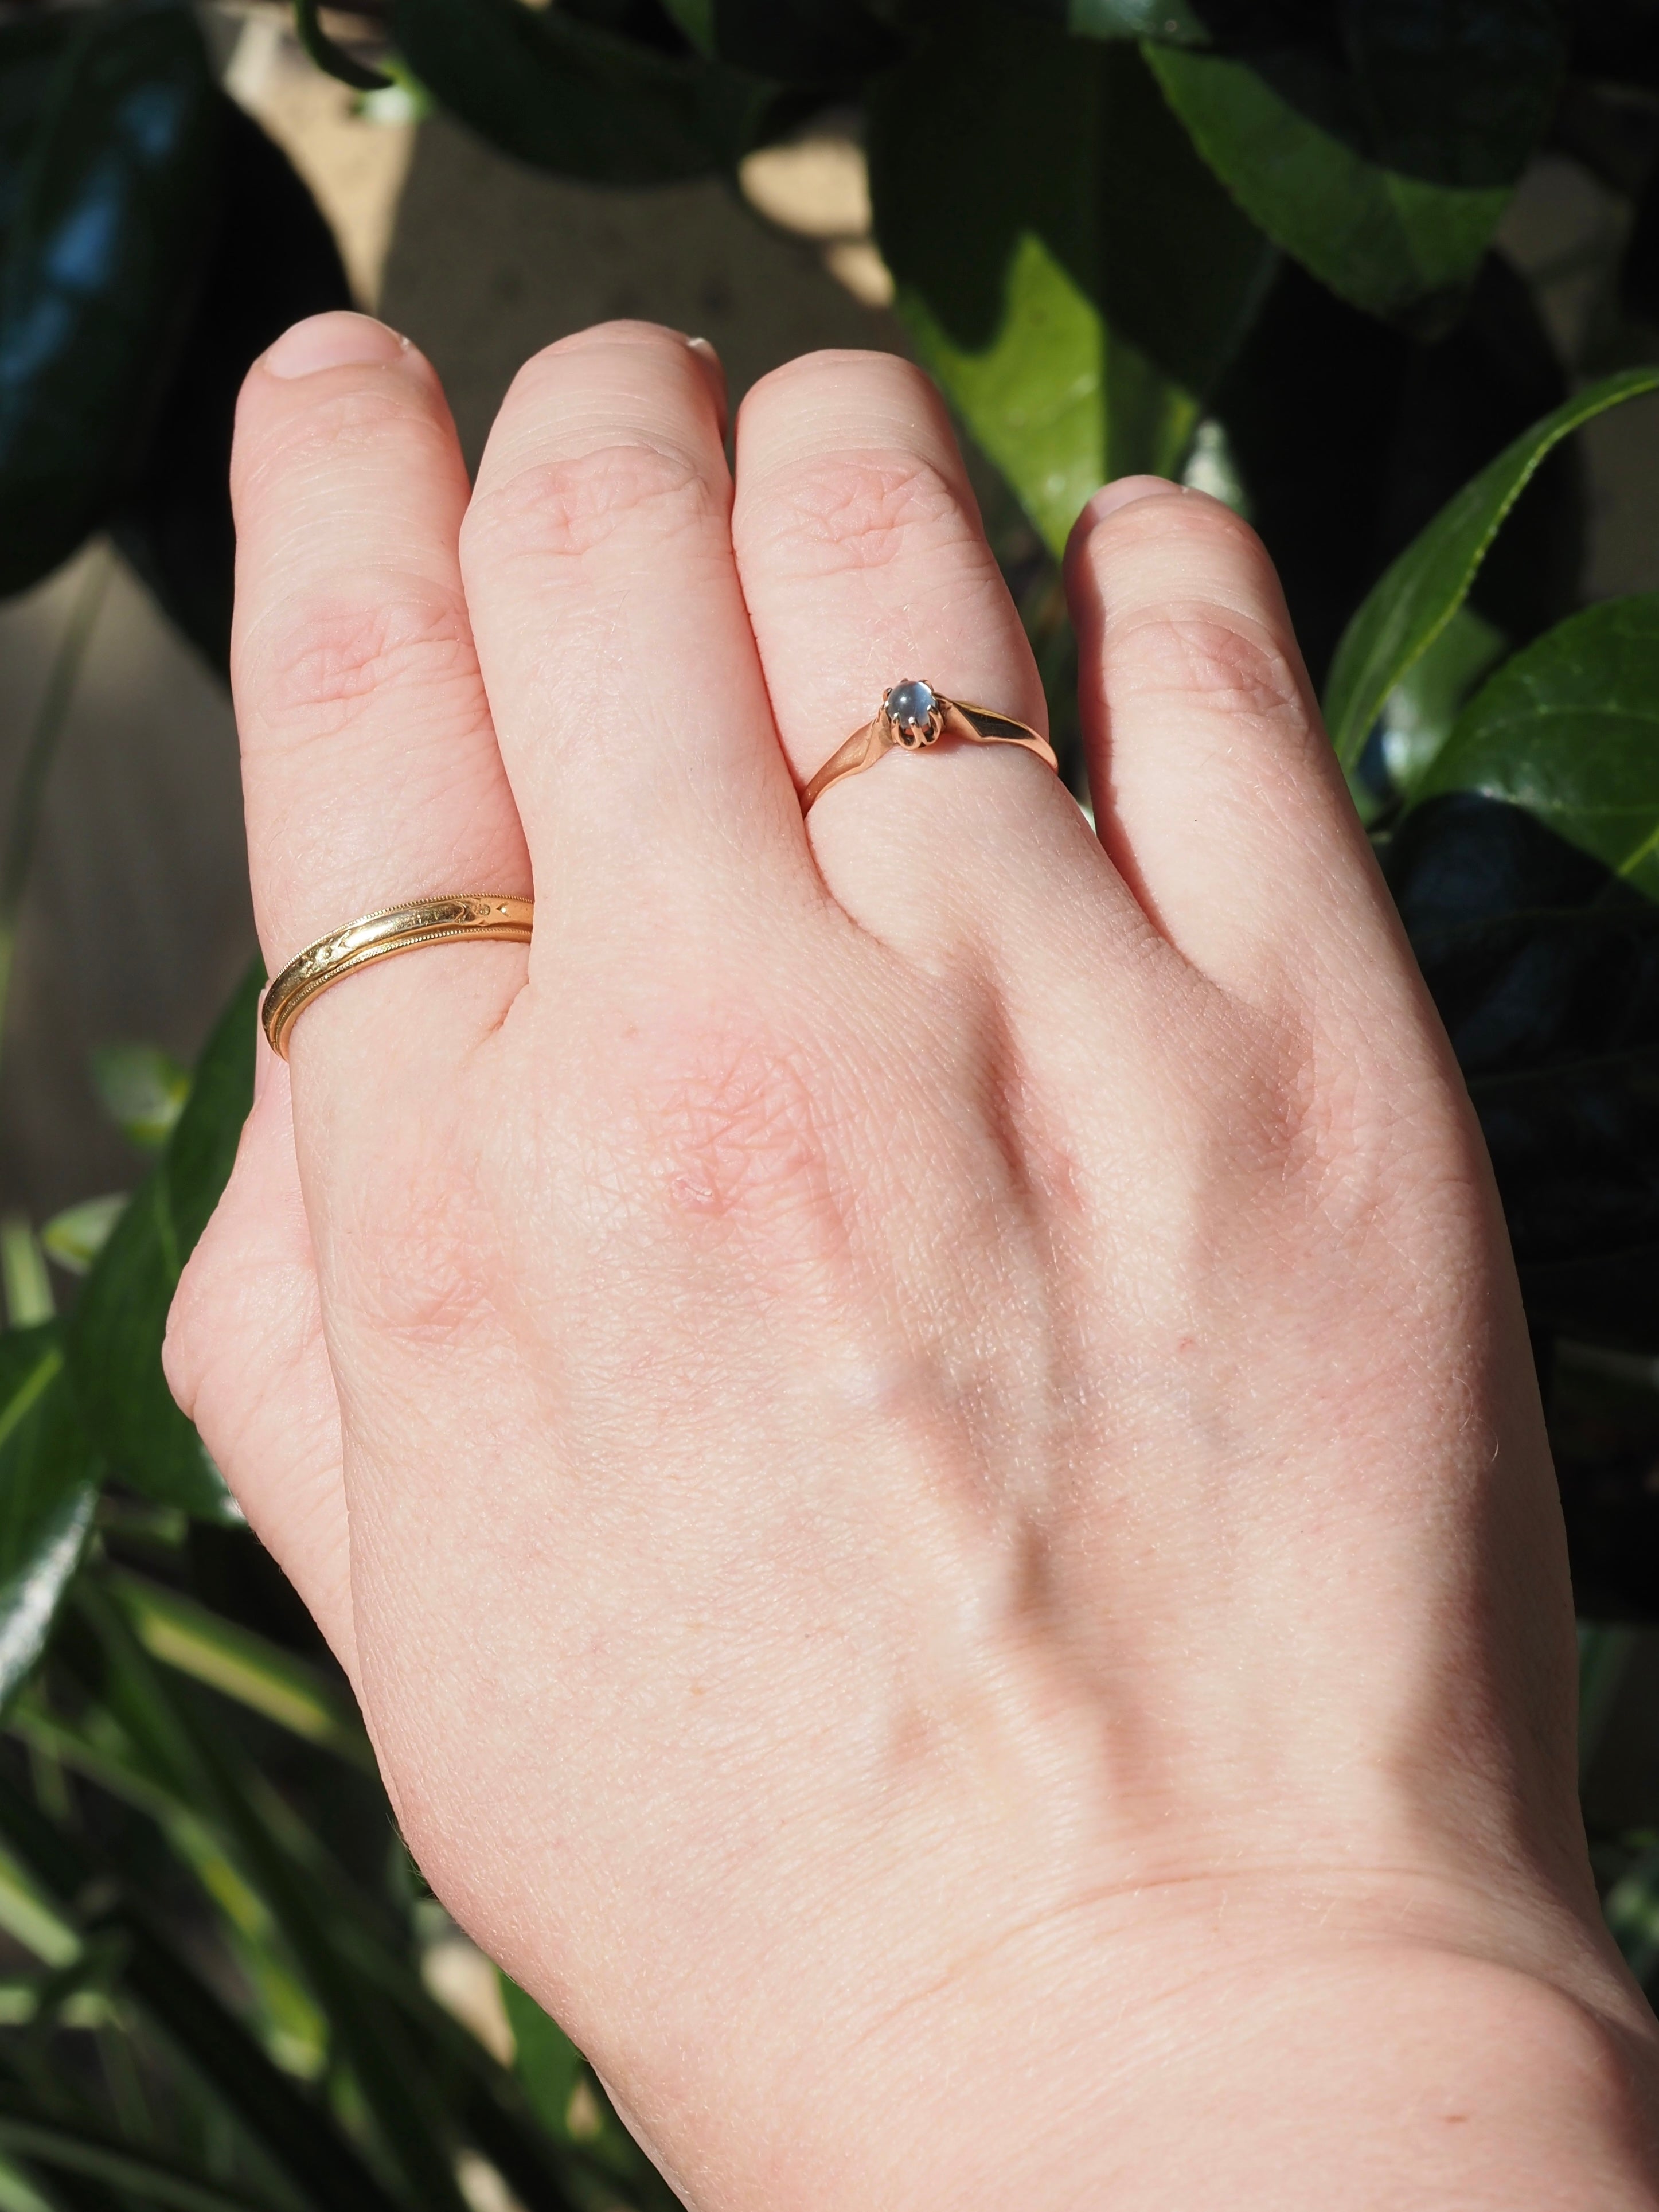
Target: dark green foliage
<point x="275" y="261"/>
<point x="1025" y="280"/>
<point x="49" y="1478"/>
<point x="578" y="98"/>
<point x="115" y="1335"/>
<point x="105" y="167"/>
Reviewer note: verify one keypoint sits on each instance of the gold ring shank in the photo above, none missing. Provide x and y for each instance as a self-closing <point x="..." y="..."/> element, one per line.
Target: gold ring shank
<point x="487" y="915"/>
<point x="978" y="725"/>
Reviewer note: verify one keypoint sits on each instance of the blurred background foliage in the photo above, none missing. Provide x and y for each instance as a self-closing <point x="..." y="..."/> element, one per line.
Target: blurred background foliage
<point x="1251" y="243"/>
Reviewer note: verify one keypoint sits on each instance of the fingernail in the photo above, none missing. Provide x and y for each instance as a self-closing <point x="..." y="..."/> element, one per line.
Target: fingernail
<point x="1126" y="491"/>
<point x="713" y="369"/>
<point x="337" y="341"/>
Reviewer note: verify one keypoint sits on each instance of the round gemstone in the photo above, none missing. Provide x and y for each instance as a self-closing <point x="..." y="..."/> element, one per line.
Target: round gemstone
<point x="910" y="705"/>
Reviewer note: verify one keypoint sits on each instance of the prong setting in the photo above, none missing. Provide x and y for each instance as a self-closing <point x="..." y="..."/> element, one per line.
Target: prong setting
<point x="913" y="714"/>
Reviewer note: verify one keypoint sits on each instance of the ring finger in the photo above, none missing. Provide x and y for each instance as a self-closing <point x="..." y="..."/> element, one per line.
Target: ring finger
<point x="863" y="562"/>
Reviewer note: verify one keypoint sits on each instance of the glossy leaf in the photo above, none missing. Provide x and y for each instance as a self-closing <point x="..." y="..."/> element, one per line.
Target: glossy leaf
<point x="111" y="213"/>
<point x="1349" y="438"/>
<point x="241" y="1665"/>
<point x="1076" y="311"/>
<point x="275" y="262"/>
<point x="368" y="2036"/>
<point x="1380" y="146"/>
<point x="579" y="101"/>
<point x="115" y="1333"/>
<point x="1570" y="730"/>
<point x="1421" y="591"/>
<point x="297" y="2134"/>
<point x="48" y="1487"/>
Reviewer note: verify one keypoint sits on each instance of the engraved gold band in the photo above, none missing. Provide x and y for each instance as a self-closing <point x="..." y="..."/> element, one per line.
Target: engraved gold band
<point x="372" y="937"/>
<point x="914" y="716"/>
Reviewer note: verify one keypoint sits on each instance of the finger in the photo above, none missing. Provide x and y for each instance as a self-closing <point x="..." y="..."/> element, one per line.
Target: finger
<point x="622" y="675"/>
<point x="863" y="561"/>
<point x="370" y="770"/>
<point x="245" y="1358"/>
<point x="1215" y="788"/>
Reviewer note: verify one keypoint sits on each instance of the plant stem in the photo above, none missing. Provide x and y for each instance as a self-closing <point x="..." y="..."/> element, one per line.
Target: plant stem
<point x="28" y="794"/>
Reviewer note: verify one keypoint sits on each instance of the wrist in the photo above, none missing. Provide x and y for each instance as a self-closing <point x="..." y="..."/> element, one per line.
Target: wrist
<point x="1334" y="2068"/>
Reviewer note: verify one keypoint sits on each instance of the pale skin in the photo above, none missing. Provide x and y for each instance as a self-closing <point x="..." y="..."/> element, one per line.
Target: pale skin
<point x="916" y="1430"/>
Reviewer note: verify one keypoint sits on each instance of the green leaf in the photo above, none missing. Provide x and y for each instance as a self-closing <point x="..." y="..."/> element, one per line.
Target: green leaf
<point x="1381" y="152"/>
<point x="241" y="1665"/>
<point x="76" y="1236"/>
<point x="142" y="1088"/>
<point x="544" y="2059"/>
<point x="23" y="1273"/>
<point x="825" y="43"/>
<point x="580" y="101"/>
<point x="1418" y="596"/>
<point x="294" y="2130"/>
<point x="1040" y="292"/>
<point x="116" y="2163"/>
<point x="115" y="1333"/>
<point x="185" y="1751"/>
<point x="48" y="1487"/>
<point x="1423" y="707"/>
<point x="108" y="189"/>
<point x="1570" y="730"/>
<point x="275" y="262"/>
<point x="695" y="19"/>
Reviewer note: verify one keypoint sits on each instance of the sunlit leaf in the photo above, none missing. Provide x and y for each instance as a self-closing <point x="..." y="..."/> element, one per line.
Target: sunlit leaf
<point x="76" y="1236"/>
<point x="1076" y="311"/>
<point x="241" y="1665"/>
<point x="1420" y="594"/>
<point x="142" y="1088"/>
<point x="1383" y="156"/>
<point x="296" y="2133"/>
<point x="1570" y="730"/>
<point x="48" y="1487"/>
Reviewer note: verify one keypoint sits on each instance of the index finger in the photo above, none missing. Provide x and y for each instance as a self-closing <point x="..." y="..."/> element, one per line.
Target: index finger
<point x="370" y="769"/>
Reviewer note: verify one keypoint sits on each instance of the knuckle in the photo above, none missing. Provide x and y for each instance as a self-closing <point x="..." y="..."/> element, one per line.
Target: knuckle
<point x="311" y="665"/>
<point x="419" y="1254"/>
<point x="721" y="1128"/>
<point x="565" y="510"/>
<point x="325" y="434"/>
<point x="858" y="512"/>
<point x="1205" y="653"/>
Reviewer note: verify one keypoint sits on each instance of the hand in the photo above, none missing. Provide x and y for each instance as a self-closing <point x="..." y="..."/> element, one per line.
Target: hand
<point x="916" y="1431"/>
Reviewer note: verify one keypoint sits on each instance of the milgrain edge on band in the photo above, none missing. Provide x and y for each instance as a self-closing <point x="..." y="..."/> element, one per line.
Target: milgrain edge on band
<point x="447" y="918"/>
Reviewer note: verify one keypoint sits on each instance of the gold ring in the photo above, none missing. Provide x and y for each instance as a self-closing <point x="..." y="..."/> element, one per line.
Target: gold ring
<point x="374" y="937"/>
<point x="913" y="716"/>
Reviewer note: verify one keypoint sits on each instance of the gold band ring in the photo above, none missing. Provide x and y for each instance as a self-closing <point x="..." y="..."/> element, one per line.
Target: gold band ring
<point x="913" y="716"/>
<point x="372" y="937"/>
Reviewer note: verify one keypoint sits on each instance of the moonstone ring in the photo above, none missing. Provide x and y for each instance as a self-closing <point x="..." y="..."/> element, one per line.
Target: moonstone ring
<point x="914" y="716"/>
